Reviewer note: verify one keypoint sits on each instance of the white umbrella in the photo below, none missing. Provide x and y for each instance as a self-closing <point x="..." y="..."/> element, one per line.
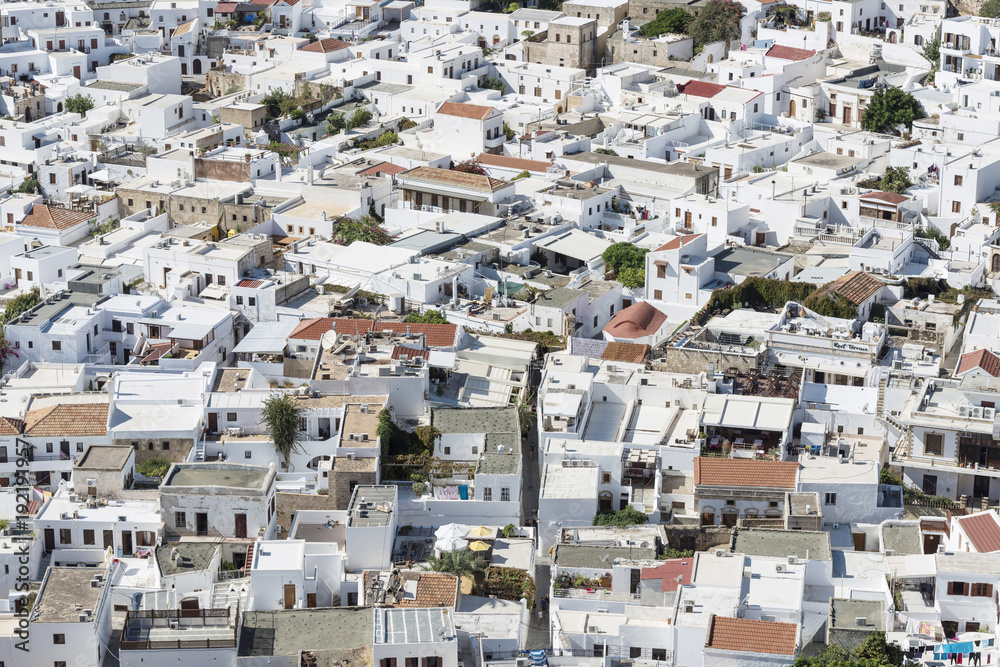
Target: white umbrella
<point x="81" y="189"/>
<point x="451" y="544"/>
<point x="451" y="531"/>
<point x="101" y="175"/>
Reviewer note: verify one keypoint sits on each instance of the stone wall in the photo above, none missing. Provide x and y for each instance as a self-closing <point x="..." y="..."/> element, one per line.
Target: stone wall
<point x="698" y="538"/>
<point x="644" y="11"/>
<point x="342" y="485"/>
<point x="176" y="449"/>
<point x="237" y="171"/>
<point x="687" y="360"/>
<point x="289" y="503"/>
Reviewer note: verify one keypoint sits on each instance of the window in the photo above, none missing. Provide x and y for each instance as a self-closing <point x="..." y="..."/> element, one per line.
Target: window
<point x="488" y="495"/>
<point x="447" y="451"/>
<point x="658" y="294"/>
<point x="52" y="179"/>
<point x="933" y="444"/>
<point x="230" y="416"/>
<point x="88" y="536"/>
<point x="180" y="519"/>
<point x="58" y="639"/>
<point x="730" y="503"/>
<point x="830" y="499"/>
<point x="505" y="494"/>
<point x="958" y="588"/>
<point x="956" y="207"/>
<point x="958" y="179"/>
<point x="65" y="536"/>
<point x="239" y="301"/>
<point x="246" y="454"/>
<point x="57" y="345"/>
<point x="772" y="504"/>
<point x="252" y="301"/>
<point x="165" y="445"/>
<point x="982" y="590"/>
<point x="659" y="654"/>
<point x="634" y="652"/>
<point x="961" y="137"/>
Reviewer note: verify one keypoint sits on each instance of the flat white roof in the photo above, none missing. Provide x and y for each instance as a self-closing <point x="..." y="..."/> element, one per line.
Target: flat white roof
<point x="752" y="412"/>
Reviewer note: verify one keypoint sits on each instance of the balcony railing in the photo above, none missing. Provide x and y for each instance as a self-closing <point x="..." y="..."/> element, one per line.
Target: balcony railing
<point x="599" y="594"/>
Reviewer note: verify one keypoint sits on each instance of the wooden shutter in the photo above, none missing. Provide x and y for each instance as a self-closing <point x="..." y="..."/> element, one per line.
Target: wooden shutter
<point x="951" y="588"/>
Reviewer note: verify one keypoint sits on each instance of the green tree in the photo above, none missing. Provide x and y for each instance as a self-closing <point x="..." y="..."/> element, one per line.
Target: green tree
<point x="626" y="517"/>
<point x="360" y="117"/>
<point x="620" y="256"/>
<point x="278" y="102"/>
<point x="335" y="123"/>
<point x="461" y="563"/>
<point x="632" y="276"/>
<point x="427" y="317"/>
<point x="156" y="467"/>
<point x="282" y="414"/>
<point x="79" y="103"/>
<point x="719" y="20"/>
<point x="873" y="652"/>
<point x="932" y="49"/>
<point x="895" y="179"/>
<point x="674" y="20"/>
<point x="348" y="230"/>
<point x="990" y="9"/>
<point x="890" y="108"/>
<point x="605" y="151"/>
<point x="512" y="7"/>
<point x="492" y="83"/>
<point x="21" y="304"/>
<point x="29" y="186"/>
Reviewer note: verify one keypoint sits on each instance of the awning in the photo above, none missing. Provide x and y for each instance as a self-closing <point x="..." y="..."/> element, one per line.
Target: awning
<point x="267" y="338"/>
<point x="431" y="190"/>
<point x="188" y="330"/>
<point x="101" y="175"/>
<point x="214" y="291"/>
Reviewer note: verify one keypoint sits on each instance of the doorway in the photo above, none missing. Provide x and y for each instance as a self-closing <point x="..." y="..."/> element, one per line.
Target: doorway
<point x="289" y="596"/>
<point x="189" y="608"/>
<point x="931" y="543"/>
<point x="201" y="523"/>
<point x="109" y="539"/>
<point x="76" y="71"/>
<point x="50" y="540"/>
<point x="196" y="66"/>
<point x="213" y="422"/>
<point x="930" y="485"/>
<point x="241" y="525"/>
<point x="791" y="108"/>
<point x="981" y="483"/>
<point x="847" y="115"/>
<point x="708" y="518"/>
<point x="126" y="543"/>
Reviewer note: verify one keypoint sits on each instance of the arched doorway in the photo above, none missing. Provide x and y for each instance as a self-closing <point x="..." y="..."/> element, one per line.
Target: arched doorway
<point x="59" y="108"/>
<point x="729" y="516"/>
<point x="892" y="38"/>
<point x="708" y="516"/>
<point x="791" y="108"/>
<point x="496" y="39"/>
<point x="604" y="501"/>
<point x="196" y="66"/>
<point x="954" y="228"/>
<point x="710" y="59"/>
<point x="995" y="263"/>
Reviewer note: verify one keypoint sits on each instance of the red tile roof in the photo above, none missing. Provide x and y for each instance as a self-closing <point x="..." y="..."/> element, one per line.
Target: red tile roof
<point x="466" y="110"/>
<point x="700" y="88"/>
<point x="982" y="530"/>
<point x="638" y="320"/>
<point x="750" y="636"/>
<point x="672" y="574"/>
<point x="677" y="242"/>
<point x="890" y="197"/>
<point x="10" y="426"/>
<point x="253" y="284"/>
<point x="458" y="179"/>
<point x="856" y="286"/>
<point x="52" y="217"/>
<point x="508" y="162"/>
<point x="410" y="352"/>
<point x="226" y="7"/>
<point x="313" y="329"/>
<point x="983" y="359"/>
<point x="328" y="45"/>
<point x="790" y="53"/>
<point x="633" y="353"/>
<point x="715" y="471"/>
<point x="382" y="169"/>
<point x="79" y="419"/>
<point x="435" y="335"/>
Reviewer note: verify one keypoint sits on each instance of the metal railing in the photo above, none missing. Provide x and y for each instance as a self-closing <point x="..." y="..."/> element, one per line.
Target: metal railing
<point x="599" y="594"/>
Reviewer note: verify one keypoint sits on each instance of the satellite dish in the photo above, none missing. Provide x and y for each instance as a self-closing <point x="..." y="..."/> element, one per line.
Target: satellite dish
<point x="328" y="340"/>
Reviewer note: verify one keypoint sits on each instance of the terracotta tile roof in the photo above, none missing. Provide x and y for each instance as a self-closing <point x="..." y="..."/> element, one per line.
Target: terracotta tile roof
<point x="290" y="3"/>
<point x="890" y="197"/>
<point x="636" y="321"/>
<point x="80" y="419"/>
<point x="184" y="28"/>
<point x="856" y="286"/>
<point x="633" y="353"/>
<point x="10" y="426"/>
<point x="673" y="574"/>
<point x="750" y="636"/>
<point x="715" y="471"/>
<point x="982" y="530"/>
<point x="983" y="359"/>
<point x="435" y="335"/>
<point x="52" y="217"/>
<point x="382" y="169"/>
<point x="512" y="162"/>
<point x="434" y="589"/>
<point x="328" y="45"/>
<point x="790" y="53"/>
<point x="410" y="352"/>
<point x="466" y="110"/>
<point x="252" y="284"/>
<point x="458" y="179"/>
<point x="226" y="7"/>
<point x="313" y="329"/>
<point x="677" y="242"/>
<point x="701" y="88"/>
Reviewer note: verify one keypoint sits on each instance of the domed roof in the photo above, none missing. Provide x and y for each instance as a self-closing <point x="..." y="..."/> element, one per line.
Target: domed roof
<point x="636" y="321"/>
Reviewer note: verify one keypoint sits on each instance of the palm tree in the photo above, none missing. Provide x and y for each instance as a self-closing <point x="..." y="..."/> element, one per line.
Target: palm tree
<point x="461" y="563"/>
<point x="282" y="415"/>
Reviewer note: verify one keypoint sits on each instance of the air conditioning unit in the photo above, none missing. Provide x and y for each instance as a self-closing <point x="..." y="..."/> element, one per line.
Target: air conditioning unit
<point x="91" y="482"/>
<point x="781" y="568"/>
<point x="963" y="411"/>
<point x="860" y="621"/>
<point x="791" y="560"/>
<point x="720" y="553"/>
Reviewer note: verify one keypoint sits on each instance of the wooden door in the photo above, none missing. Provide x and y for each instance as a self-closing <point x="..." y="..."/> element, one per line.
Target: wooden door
<point x="50" y="540"/>
<point x="289" y="596"/>
<point x="859" y="541"/>
<point x="687" y="219"/>
<point x="189" y="608"/>
<point x="241" y="525"/>
<point x="109" y="539"/>
<point x="311" y="600"/>
<point x="847" y="115"/>
<point x="17" y="275"/>
<point x="76" y="71"/>
<point x="213" y="422"/>
<point x="931" y="543"/>
<point x="708" y="518"/>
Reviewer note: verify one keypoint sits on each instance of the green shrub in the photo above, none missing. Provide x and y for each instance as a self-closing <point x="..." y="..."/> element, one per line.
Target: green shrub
<point x="622" y="518"/>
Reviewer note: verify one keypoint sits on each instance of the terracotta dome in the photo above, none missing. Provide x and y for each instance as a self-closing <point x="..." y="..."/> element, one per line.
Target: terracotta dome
<point x="636" y="321"/>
